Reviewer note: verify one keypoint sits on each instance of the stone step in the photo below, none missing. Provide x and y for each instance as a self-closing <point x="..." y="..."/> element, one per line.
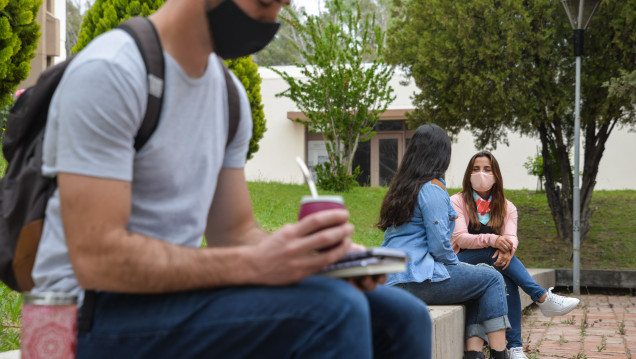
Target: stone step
<point x="448" y="320"/>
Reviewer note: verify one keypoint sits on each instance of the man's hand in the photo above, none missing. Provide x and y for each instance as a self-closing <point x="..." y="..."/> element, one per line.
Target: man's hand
<point x="367" y="282"/>
<point x="294" y="251"/>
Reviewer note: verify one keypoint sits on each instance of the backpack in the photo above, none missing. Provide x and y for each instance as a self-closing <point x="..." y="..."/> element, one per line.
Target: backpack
<point x="24" y="192"/>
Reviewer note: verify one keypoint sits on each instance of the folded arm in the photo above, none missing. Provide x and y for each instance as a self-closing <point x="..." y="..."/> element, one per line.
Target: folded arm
<point x="509" y="228"/>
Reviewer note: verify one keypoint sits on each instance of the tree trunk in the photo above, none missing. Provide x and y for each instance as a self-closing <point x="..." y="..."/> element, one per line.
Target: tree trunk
<point x="559" y="195"/>
<point x="595" y="140"/>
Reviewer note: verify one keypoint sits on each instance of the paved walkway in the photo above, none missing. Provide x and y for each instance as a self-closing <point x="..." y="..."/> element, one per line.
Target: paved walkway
<point x="601" y="326"/>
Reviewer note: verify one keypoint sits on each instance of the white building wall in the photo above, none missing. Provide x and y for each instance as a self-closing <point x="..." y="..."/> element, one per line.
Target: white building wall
<point x="60" y="13"/>
<point x="284" y="140"/>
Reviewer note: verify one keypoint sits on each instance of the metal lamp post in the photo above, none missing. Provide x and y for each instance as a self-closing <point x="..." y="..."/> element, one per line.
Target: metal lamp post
<point x="579" y="13"/>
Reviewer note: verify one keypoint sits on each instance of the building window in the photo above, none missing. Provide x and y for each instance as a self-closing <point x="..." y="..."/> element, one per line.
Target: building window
<point x="378" y="157"/>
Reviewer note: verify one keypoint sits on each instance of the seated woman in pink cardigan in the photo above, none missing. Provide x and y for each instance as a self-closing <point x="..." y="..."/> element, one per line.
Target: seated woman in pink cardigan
<point x="486" y="232"/>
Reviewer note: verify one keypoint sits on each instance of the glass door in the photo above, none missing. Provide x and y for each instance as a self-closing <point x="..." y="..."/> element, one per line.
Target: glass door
<point x="386" y="152"/>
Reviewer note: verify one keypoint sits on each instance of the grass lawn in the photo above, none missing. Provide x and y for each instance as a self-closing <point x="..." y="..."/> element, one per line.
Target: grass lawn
<point x="611" y="244"/>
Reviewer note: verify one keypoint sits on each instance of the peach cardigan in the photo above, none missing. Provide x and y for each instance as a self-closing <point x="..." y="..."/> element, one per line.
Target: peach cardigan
<point x="461" y="239"/>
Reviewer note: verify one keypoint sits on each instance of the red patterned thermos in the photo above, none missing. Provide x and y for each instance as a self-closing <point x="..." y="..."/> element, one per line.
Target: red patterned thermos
<point x="49" y="326"/>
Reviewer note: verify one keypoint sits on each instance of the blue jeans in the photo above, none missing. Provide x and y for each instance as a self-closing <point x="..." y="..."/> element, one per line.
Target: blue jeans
<point x="515" y="276"/>
<point x="479" y="287"/>
<point x="316" y="318"/>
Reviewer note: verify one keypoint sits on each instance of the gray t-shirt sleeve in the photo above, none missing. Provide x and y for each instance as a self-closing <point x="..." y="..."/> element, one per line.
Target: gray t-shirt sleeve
<point x="96" y="120"/>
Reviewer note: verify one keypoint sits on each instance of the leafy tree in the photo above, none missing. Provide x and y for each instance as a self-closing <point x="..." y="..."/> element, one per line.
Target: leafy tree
<point x="623" y="86"/>
<point x="19" y="35"/>
<point x="283" y="49"/>
<point x="341" y="96"/>
<point x="107" y="14"/>
<point x="503" y="65"/>
<point x="377" y="8"/>
<point x="74" y="12"/>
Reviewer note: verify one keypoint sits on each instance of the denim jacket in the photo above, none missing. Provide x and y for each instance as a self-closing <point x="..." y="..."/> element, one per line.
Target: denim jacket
<point x="425" y="238"/>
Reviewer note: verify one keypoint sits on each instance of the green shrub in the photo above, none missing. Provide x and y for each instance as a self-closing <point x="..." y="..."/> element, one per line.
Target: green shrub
<point x="336" y="179"/>
<point x="10" y="318"/>
<point x="534" y="166"/>
<point x="19" y="35"/>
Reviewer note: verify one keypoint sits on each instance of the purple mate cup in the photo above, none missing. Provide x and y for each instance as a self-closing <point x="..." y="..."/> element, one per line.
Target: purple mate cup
<point x="309" y="204"/>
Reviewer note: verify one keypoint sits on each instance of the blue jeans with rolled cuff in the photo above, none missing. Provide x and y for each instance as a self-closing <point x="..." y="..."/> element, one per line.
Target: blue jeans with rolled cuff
<point x="479" y="287"/>
<point x="317" y="318"/>
<point x="514" y="276"/>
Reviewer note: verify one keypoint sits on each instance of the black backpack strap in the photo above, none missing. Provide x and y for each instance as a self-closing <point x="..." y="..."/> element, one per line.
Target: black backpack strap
<point x="234" y="104"/>
<point x="147" y="40"/>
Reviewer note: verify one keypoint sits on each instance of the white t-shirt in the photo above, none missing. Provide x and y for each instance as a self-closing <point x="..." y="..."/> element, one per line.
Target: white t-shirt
<point x="93" y="119"/>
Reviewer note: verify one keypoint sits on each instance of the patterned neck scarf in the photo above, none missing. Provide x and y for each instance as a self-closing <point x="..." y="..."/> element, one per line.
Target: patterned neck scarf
<point x="483" y="208"/>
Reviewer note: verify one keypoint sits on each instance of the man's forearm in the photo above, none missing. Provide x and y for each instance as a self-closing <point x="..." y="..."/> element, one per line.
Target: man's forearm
<point x="137" y="264"/>
<point x="249" y="235"/>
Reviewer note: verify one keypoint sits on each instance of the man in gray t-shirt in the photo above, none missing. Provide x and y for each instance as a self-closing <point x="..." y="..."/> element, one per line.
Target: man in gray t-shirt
<point x="124" y="228"/>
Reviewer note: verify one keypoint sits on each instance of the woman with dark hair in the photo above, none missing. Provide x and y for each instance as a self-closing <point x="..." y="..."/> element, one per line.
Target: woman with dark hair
<point x="486" y="232"/>
<point x="418" y="218"/>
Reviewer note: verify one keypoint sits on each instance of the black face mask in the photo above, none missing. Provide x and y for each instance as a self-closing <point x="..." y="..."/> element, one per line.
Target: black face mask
<point x="236" y="34"/>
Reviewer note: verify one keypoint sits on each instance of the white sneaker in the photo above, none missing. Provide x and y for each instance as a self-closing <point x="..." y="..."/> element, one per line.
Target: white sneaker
<point x="555" y="304"/>
<point x="517" y="353"/>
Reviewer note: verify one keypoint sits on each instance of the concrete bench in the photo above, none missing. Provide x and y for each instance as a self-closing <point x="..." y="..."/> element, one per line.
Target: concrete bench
<point x="448" y="322"/>
<point x="14" y="354"/>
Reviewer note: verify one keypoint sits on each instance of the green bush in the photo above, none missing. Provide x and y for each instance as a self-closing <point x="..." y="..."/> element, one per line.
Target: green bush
<point x="4" y="114"/>
<point x="107" y="14"/>
<point x="247" y="72"/>
<point x="534" y="166"/>
<point x="19" y="35"/>
<point x="10" y="318"/>
<point x="336" y="178"/>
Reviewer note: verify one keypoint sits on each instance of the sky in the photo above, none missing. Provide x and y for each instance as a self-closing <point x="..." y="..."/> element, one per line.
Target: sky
<point x="311" y="6"/>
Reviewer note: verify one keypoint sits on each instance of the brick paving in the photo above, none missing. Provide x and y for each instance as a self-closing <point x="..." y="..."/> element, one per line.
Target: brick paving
<point x="602" y="326"/>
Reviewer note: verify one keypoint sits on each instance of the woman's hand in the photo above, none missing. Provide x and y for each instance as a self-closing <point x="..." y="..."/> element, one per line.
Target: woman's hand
<point x="503" y="259"/>
<point x="504" y="244"/>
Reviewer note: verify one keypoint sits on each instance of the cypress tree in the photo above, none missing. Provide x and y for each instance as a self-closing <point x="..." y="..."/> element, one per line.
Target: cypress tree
<point x="19" y="35"/>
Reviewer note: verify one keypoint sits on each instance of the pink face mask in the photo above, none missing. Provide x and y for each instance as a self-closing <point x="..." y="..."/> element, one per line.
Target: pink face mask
<point x="481" y="181"/>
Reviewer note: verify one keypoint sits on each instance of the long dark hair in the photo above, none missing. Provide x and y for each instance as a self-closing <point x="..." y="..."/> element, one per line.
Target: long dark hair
<point x="498" y="202"/>
<point x="427" y="157"/>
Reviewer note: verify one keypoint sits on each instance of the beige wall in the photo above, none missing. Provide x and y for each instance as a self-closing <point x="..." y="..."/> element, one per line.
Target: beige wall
<point x="50" y="46"/>
<point x="284" y="140"/>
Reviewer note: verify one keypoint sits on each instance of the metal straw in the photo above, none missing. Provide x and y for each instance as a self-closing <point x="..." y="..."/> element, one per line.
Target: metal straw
<point x="308" y="178"/>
